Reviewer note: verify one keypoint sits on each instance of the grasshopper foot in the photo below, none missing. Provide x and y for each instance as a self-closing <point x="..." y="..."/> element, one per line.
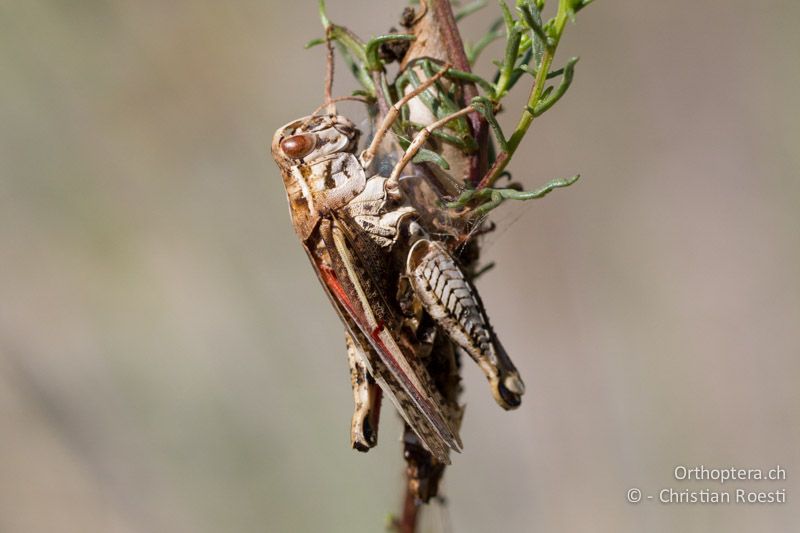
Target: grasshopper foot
<point x="362" y="435"/>
<point x="508" y="390"/>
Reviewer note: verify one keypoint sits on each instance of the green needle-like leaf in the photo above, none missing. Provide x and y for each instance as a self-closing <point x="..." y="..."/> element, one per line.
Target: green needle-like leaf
<point x="548" y="100"/>
<point x="485" y="107"/>
<point x="488" y="199"/>
<point x="469" y="9"/>
<point x="429" y="156"/>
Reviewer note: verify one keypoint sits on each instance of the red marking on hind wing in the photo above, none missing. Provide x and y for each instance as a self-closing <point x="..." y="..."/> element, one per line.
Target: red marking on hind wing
<point x="333" y="283"/>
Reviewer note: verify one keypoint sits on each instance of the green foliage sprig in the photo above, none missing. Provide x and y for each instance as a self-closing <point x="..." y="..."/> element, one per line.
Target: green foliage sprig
<point x="531" y="42"/>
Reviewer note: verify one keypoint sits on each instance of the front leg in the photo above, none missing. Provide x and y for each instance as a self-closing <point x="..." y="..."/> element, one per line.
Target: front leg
<point x="452" y="301"/>
<point x="367" y="398"/>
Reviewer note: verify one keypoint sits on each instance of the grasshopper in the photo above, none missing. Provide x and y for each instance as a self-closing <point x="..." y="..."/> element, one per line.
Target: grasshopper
<point x="395" y="287"/>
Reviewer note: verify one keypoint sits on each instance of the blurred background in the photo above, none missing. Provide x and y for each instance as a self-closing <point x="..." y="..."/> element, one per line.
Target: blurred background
<point x="168" y="362"/>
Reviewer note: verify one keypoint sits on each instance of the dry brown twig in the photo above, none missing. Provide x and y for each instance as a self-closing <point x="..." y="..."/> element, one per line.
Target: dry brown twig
<point x="438" y="37"/>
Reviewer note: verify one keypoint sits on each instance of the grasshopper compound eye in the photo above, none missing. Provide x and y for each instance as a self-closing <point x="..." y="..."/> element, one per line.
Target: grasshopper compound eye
<point x="299" y="146"/>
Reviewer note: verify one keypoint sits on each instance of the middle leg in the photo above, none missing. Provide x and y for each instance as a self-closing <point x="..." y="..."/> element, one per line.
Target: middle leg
<point x="422" y="137"/>
<point x="367" y="398"/>
<point x="394" y="111"/>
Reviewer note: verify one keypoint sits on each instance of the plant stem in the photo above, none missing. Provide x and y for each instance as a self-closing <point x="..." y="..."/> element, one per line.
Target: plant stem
<point x="408" y="520"/>
<point x="527" y="117"/>
<point x="454" y="46"/>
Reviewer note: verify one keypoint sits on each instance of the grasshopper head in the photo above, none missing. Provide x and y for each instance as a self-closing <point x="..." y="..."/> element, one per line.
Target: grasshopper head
<point x="313" y="138"/>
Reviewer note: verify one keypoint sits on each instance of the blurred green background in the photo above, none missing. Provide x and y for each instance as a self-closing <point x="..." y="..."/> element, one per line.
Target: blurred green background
<point x="168" y="362"/>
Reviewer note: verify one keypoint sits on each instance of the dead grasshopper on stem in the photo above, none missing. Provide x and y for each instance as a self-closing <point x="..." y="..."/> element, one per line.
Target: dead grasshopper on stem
<point x="383" y="242"/>
<point x="395" y="287"/>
